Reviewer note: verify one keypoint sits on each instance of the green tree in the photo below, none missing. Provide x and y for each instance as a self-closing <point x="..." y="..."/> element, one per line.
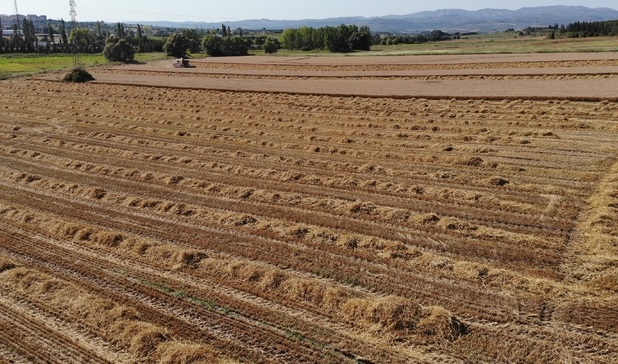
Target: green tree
<point x="50" y="33"/>
<point x="99" y="29"/>
<point x="270" y="46"/>
<point x="176" y="45"/>
<point x="361" y="39"/>
<point x="289" y="38"/>
<point x="438" y="35"/>
<point x="30" y="38"/>
<point x="99" y="37"/>
<point x="343" y="38"/>
<point x="216" y="46"/>
<point x="235" y="46"/>
<point x="193" y="40"/>
<point x="223" y="31"/>
<point x="1" y="38"/>
<point x="211" y="44"/>
<point x="337" y="39"/>
<point x="120" y="30"/>
<point x="17" y="42"/>
<point x="118" y="50"/>
<point x="63" y="36"/>
<point x="83" y="39"/>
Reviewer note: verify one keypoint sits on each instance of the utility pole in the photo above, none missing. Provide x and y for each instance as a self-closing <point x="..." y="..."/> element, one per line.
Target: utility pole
<point x="17" y="23"/>
<point x="16" y="16"/>
<point x="73" y="13"/>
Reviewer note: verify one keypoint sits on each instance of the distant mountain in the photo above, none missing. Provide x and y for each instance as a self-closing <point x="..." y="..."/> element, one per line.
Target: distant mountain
<point x="450" y="20"/>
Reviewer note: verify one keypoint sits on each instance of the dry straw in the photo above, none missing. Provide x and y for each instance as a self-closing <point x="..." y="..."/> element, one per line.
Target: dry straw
<point x="117" y="324"/>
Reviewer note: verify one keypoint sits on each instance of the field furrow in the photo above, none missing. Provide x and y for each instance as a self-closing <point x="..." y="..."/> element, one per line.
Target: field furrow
<point x="257" y="211"/>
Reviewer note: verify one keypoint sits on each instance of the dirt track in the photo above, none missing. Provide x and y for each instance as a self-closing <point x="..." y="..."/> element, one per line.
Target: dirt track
<point x="173" y="224"/>
<point x="550" y="76"/>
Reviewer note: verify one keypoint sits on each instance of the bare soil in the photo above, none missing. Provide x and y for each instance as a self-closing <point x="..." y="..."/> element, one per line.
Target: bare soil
<point x="536" y="76"/>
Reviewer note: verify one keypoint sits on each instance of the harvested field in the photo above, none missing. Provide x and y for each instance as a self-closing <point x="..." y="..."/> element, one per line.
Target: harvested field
<point x="246" y="211"/>
<point x="488" y="77"/>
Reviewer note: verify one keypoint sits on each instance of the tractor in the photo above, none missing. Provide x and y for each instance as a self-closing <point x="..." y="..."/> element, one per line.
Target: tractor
<point x="182" y="62"/>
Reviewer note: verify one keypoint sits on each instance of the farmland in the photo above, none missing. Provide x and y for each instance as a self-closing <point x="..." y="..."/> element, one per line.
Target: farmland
<point x="313" y="210"/>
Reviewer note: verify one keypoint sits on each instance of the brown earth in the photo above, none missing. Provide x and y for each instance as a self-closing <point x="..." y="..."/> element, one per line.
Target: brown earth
<point x="536" y="76"/>
<point x="284" y="210"/>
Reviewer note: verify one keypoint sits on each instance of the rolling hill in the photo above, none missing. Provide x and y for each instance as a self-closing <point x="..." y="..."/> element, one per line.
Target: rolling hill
<point x="452" y="20"/>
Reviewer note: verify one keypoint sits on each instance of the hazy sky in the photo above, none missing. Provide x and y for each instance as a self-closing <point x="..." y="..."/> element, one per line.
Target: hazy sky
<point x="229" y="10"/>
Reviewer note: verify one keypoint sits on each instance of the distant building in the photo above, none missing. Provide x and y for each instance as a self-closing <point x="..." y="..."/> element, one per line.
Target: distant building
<point x="36" y="18"/>
<point x="9" y="20"/>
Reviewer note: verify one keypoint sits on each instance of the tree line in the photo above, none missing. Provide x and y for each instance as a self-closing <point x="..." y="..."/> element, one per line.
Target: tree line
<point x="120" y="42"/>
<point x="592" y="29"/>
<point x="344" y="38"/>
<point x="58" y="37"/>
<point x="433" y="36"/>
<point x="215" y="43"/>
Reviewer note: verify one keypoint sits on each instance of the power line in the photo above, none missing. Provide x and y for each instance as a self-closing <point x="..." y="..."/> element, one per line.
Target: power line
<point x="73" y="13"/>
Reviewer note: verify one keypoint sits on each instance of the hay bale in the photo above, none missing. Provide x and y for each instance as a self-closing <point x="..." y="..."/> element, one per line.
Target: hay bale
<point x="6" y="264"/>
<point x="473" y="162"/>
<point x="305" y="290"/>
<point x="452" y="223"/>
<point x="189" y="258"/>
<point x="497" y="181"/>
<point x="78" y="75"/>
<point x="109" y="239"/>
<point x="118" y="313"/>
<point x="395" y="317"/>
<point x="426" y="219"/>
<point x="394" y="314"/>
<point x="272" y="280"/>
<point x="252" y="273"/>
<point x="398" y="215"/>
<point x="324" y="236"/>
<point x="245" y="220"/>
<point x="438" y="324"/>
<point x="354" y="310"/>
<point x="297" y="232"/>
<point x="51" y="286"/>
<point x="140" y="338"/>
<point x="84" y="234"/>
<point x="184" y="353"/>
<point x="138" y="246"/>
<point x="170" y="255"/>
<point x="364" y="208"/>
<point x="22" y="278"/>
<point x="174" y="180"/>
<point x="334" y="299"/>
<point x="65" y="230"/>
<point x="98" y="193"/>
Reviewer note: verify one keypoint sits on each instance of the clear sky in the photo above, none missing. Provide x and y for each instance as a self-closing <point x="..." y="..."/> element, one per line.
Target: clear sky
<point x="230" y="10"/>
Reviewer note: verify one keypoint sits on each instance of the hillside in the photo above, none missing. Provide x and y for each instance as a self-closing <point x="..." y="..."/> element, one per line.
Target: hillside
<point x="485" y="20"/>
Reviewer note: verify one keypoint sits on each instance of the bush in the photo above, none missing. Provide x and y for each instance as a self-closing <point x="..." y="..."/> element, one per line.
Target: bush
<point x="211" y="44"/>
<point x="270" y="46"/>
<point x="78" y="75"/>
<point x="177" y="45"/>
<point x="118" y="50"/>
<point x="216" y="46"/>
